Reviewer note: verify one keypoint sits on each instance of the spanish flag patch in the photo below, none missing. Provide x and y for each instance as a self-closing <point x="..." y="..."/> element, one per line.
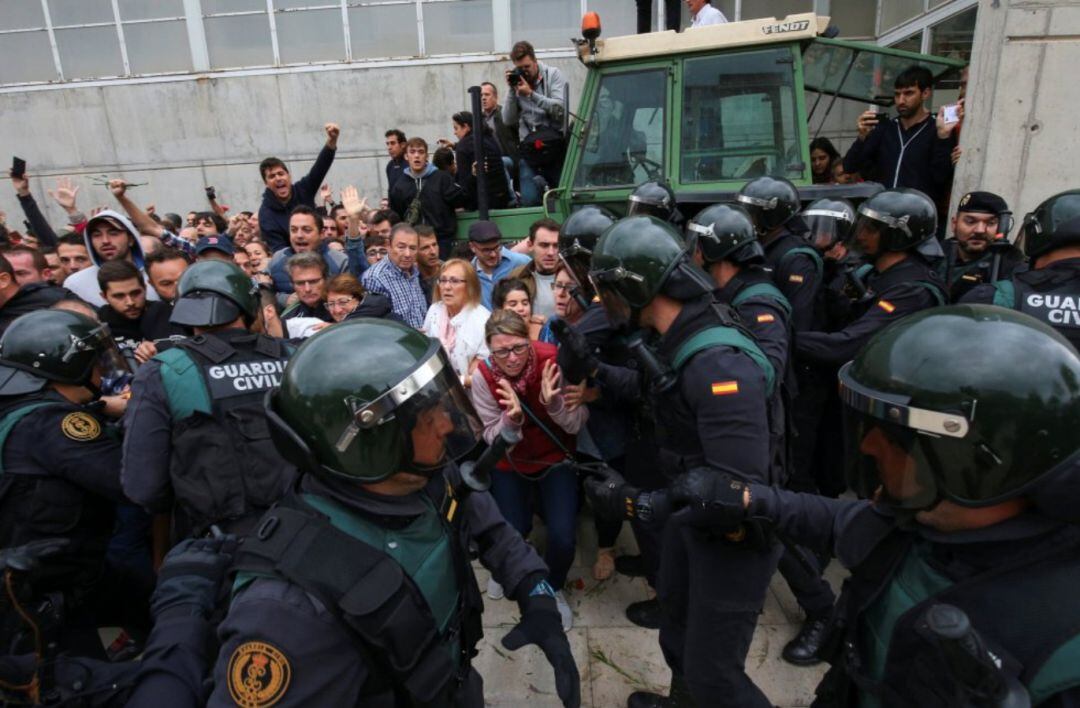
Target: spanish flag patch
<point x="725" y="388"/>
<point x="886" y="305"/>
<point x="793" y="278"/>
<point x="765" y="318"/>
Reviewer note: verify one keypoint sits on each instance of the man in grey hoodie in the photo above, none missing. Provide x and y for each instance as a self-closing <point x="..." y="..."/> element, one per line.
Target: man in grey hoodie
<point x="109" y="236"/>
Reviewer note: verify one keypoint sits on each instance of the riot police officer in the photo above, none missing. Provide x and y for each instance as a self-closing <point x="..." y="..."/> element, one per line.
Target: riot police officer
<point x="196" y="432"/>
<point x="712" y="383"/>
<point x="60" y="479"/>
<point x="895" y="280"/>
<point x="965" y="536"/>
<point x="723" y="238"/>
<point x="654" y="198"/>
<point x="357" y="588"/>
<point x="1050" y="289"/>
<point x="979" y="250"/>
<point x="773" y="203"/>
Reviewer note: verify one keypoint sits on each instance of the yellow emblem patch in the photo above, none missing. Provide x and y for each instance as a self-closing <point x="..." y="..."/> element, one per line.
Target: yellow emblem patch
<point x="766" y="318"/>
<point x="793" y="278"/>
<point x="80" y="427"/>
<point x="258" y="675"/>
<point x="886" y="305"/>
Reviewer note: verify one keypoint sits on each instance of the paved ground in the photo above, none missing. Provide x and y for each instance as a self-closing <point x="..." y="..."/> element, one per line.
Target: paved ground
<point x="614" y="656"/>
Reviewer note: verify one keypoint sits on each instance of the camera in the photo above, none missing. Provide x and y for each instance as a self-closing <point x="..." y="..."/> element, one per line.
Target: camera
<point x="515" y="77"/>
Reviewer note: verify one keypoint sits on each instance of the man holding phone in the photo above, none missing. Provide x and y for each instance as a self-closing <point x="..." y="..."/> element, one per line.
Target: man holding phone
<point x="912" y="150"/>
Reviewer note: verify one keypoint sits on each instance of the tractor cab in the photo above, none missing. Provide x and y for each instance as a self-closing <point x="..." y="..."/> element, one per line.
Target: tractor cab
<point x="709" y="109"/>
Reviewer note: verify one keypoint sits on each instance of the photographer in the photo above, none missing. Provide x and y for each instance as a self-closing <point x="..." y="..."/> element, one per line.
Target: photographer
<point x="535" y="103"/>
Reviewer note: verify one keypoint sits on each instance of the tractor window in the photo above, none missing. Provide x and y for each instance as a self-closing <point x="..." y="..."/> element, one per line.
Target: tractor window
<point x="739" y="117"/>
<point x="624" y="139"/>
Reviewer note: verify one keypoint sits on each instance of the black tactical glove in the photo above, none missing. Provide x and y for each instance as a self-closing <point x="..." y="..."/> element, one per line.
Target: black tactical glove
<point x="576" y="357"/>
<point x="610" y="495"/>
<point x="540" y="625"/>
<point x="191" y="577"/>
<point x="708" y="498"/>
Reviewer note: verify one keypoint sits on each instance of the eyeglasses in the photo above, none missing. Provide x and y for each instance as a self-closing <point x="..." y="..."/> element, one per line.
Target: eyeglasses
<point x="340" y="302"/>
<point x="371" y="252"/>
<point x="487" y="251"/>
<point x="562" y="287"/>
<point x="516" y="350"/>
<point x="448" y="280"/>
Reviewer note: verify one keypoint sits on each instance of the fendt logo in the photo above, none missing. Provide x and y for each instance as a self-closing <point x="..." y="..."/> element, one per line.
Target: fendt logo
<point x="781" y="27"/>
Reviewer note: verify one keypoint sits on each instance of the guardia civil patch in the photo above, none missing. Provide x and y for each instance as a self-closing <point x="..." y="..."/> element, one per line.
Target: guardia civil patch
<point x="258" y="675"/>
<point x="80" y="427"/>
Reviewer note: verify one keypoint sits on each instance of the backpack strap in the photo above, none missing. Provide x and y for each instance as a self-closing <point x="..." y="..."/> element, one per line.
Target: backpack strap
<point x="1005" y="294"/>
<point x="12" y="418"/>
<point x="184" y="386"/>
<point x="371" y="594"/>
<point x="767" y="290"/>
<point x="728" y="337"/>
<point x="819" y="264"/>
<point x="935" y="291"/>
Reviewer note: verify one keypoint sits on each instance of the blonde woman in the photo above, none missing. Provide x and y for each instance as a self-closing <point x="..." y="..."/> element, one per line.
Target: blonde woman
<point x="456" y="318"/>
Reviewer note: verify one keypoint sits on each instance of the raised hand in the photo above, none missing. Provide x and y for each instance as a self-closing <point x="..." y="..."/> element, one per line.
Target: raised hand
<point x="332" y="133"/>
<point x="354" y="205"/>
<point x="550" y="378"/>
<point x="118" y="187"/>
<point x="508" y="399"/>
<point x="65" y="193"/>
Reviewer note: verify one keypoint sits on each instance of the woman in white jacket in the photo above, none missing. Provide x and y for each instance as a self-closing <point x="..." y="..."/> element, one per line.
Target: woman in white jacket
<point x="456" y="318"/>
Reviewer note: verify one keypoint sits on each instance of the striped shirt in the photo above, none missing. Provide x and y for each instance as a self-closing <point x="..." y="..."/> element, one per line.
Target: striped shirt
<point x="406" y="296"/>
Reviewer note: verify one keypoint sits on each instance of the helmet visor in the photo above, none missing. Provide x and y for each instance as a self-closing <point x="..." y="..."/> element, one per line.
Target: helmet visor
<point x="618" y="309"/>
<point x="433" y="413"/>
<point x="110" y="361"/>
<point x="825" y="227"/>
<point x="640" y="207"/>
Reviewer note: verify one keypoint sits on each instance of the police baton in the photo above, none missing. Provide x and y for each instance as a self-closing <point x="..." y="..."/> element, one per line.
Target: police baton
<point x="973" y="666"/>
<point x="476" y="476"/>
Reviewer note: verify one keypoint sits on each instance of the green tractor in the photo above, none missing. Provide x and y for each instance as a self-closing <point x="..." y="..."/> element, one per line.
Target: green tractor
<point x="709" y="109"/>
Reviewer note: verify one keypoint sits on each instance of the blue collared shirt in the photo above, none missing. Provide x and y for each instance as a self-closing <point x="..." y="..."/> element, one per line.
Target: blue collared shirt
<point x="403" y="289"/>
<point x="508" y="262"/>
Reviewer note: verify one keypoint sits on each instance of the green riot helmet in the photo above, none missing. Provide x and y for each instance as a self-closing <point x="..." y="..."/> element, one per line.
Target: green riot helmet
<point x="828" y="222"/>
<point x="894" y="220"/>
<point x="653" y="198"/>
<point x="724" y="232"/>
<point x="1054" y="223"/>
<point x="638" y="258"/>
<point x="368" y="398"/>
<point x="770" y="201"/>
<point x="578" y="237"/>
<point x="213" y="293"/>
<point x="61" y="346"/>
<point x="970" y="403"/>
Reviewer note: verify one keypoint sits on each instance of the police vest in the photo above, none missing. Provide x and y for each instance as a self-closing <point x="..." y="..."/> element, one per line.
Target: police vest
<point x="224" y="469"/>
<point x="1050" y="296"/>
<point x="1024" y="610"/>
<point x="415" y="614"/>
<point x="39" y="506"/>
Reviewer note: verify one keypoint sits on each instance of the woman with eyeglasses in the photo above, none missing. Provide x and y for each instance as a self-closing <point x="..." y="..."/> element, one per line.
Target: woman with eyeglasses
<point x="456" y="318"/>
<point x="519" y="386"/>
<point x="566" y="305"/>
<point x="347" y="299"/>
<point x="516" y="295"/>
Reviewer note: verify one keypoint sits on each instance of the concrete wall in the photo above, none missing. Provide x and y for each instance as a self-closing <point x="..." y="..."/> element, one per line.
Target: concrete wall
<point x="1021" y="137"/>
<point x="182" y="135"/>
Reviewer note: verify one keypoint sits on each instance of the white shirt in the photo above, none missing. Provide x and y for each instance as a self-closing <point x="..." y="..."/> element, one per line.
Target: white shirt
<point x="708" y="15"/>
<point x="544" y="302"/>
<point x="468" y="326"/>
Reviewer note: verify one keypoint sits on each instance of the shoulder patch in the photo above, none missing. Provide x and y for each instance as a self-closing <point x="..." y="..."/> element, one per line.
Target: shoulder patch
<point x="766" y="317"/>
<point x="725" y="388"/>
<point x="795" y="278"/>
<point x="259" y="675"/>
<point x="80" y="427"/>
<point x="886" y="305"/>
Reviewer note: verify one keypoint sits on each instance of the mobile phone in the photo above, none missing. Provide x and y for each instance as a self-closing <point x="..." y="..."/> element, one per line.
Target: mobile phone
<point x="951" y="113"/>
<point x="18" y="167"/>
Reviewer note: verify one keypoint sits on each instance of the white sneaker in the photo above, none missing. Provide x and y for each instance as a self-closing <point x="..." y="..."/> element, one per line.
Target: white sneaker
<point x="564" y="611"/>
<point x="494" y="590"/>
